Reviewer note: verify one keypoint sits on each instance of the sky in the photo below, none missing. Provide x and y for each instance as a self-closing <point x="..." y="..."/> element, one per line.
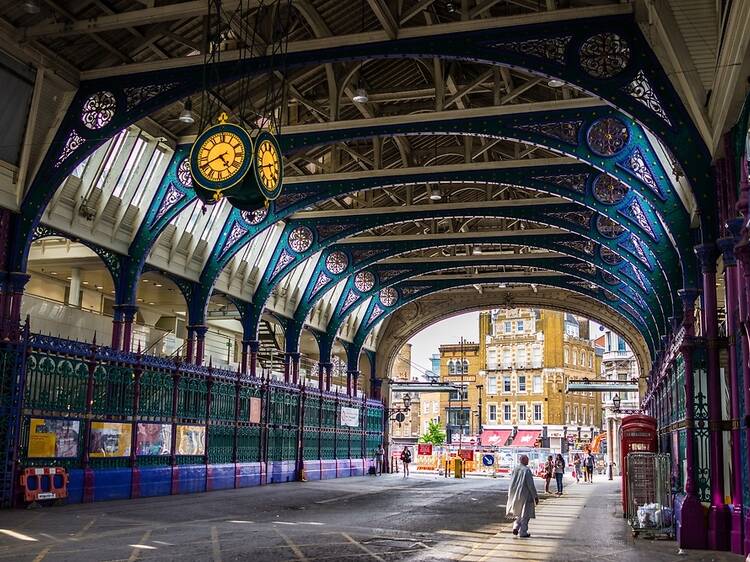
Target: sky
<point x="427" y="342"/>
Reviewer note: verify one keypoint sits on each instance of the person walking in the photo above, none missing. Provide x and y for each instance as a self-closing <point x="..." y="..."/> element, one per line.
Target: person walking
<point x="577" y="467"/>
<point x="379" y="459"/>
<point x="406" y="459"/>
<point x="522" y="498"/>
<point x="559" y="473"/>
<point x="549" y="470"/>
<point x="589" y="467"/>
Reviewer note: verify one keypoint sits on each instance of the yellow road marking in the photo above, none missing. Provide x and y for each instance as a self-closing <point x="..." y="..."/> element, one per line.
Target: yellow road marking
<point x="297" y="552"/>
<point x="362" y="547"/>
<point x="42" y="554"/>
<point x="215" y="546"/>
<point x="137" y="551"/>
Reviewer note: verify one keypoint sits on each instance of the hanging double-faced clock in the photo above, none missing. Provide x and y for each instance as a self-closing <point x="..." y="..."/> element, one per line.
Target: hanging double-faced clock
<point x="221" y="157"/>
<point x="268" y="165"/>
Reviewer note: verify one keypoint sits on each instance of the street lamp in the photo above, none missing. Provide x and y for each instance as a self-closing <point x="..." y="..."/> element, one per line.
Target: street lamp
<point x="616" y="401"/>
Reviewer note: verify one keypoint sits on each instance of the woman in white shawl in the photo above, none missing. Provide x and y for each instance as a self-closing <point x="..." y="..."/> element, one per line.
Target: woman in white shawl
<point x="522" y="498"/>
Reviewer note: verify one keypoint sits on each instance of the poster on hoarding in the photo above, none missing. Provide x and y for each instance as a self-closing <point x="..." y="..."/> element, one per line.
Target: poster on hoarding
<point x="50" y="438"/>
<point x="153" y="439"/>
<point x="466" y="454"/>
<point x="191" y="440"/>
<point x="424" y="449"/>
<point x="254" y="410"/>
<point x="349" y="416"/>
<point x="110" y="439"/>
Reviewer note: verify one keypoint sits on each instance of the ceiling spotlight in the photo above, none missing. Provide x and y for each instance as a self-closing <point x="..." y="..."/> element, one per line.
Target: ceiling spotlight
<point x="186" y="116"/>
<point x="360" y="96"/>
<point x="53" y="272"/>
<point x="477" y="250"/>
<point x="31" y="6"/>
<point x="158" y="285"/>
<point x="555" y="83"/>
<point x="451" y="7"/>
<point x="435" y="194"/>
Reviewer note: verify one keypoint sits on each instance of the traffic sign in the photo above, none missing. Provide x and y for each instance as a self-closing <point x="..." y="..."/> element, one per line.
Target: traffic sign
<point x="488" y="460"/>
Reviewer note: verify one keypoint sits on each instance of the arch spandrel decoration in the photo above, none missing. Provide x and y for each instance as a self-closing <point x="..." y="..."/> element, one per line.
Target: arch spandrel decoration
<point x="391" y="276"/>
<point x="285" y="258"/>
<point x="413" y="290"/>
<point x="640" y="87"/>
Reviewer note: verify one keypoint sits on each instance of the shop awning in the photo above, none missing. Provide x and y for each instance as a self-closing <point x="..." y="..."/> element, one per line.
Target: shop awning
<point x="495" y="437"/>
<point x="526" y="438"/>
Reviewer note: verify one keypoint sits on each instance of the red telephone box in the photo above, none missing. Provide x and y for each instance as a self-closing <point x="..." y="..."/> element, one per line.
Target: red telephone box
<point x="637" y="435"/>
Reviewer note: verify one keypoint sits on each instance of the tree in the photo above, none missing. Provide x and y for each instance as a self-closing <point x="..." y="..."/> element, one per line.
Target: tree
<point x="434" y="434"/>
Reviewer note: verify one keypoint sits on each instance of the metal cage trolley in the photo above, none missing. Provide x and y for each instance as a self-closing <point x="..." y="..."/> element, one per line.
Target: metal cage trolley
<point x="649" y="507"/>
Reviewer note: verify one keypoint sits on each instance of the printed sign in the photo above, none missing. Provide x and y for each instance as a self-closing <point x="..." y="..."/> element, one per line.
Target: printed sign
<point x="349" y="416"/>
<point x="49" y="438"/>
<point x="110" y="439"/>
<point x="424" y="449"/>
<point x="153" y="439"/>
<point x="191" y="440"/>
<point x="466" y="454"/>
<point x="255" y="405"/>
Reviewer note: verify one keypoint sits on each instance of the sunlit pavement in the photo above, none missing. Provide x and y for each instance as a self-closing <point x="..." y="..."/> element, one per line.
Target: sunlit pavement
<point x="424" y="517"/>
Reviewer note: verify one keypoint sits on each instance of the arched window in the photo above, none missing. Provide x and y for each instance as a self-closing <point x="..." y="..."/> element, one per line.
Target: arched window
<point x="536" y="356"/>
<point x="575" y="357"/>
<point x="466" y="367"/>
<point x="452" y="367"/>
<point x="565" y="352"/>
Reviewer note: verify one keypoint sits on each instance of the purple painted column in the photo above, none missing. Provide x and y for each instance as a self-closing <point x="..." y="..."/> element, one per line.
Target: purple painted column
<point x="190" y="345"/>
<point x="287" y="367"/>
<point x="254" y="346"/>
<point x="116" y="327"/>
<point x="731" y="298"/>
<point x="718" y="513"/>
<point x="294" y="358"/>
<point x="329" y="375"/>
<point x="692" y="529"/>
<point x="200" y="343"/>
<point x="352" y="376"/>
<point x="321" y="377"/>
<point x="243" y="357"/>
<point x="128" y="317"/>
<point x="742" y="251"/>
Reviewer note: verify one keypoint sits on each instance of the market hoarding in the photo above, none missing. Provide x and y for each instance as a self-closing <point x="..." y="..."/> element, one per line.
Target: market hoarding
<point x="53" y="438"/>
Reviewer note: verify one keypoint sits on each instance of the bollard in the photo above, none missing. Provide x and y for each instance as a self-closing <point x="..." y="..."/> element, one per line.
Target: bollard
<point x="610" y="471"/>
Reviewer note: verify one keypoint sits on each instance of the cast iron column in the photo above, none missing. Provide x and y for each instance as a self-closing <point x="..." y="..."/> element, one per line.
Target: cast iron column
<point x="200" y="343"/>
<point x="692" y="529"/>
<point x="116" y="327"/>
<point x="128" y="317"/>
<point x="718" y="520"/>
<point x="294" y="358"/>
<point x="190" y="345"/>
<point x="731" y="299"/>
<point x="742" y="251"/>
<point x="254" y="346"/>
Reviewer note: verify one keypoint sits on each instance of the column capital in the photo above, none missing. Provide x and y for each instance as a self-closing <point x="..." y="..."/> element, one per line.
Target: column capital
<point x="735" y="226"/>
<point x="742" y="252"/>
<point x="688" y="296"/>
<point x="726" y="245"/>
<point x="707" y="254"/>
<point x="253" y="345"/>
<point x="294" y="355"/>
<point x="199" y="329"/>
<point x="128" y="311"/>
<point x="17" y="281"/>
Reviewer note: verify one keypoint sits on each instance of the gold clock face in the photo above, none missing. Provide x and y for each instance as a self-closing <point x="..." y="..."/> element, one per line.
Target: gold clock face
<point x="221" y="156"/>
<point x="268" y="162"/>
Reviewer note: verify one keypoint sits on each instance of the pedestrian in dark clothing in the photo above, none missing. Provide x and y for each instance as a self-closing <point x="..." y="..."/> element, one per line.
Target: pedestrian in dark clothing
<point x="559" y="473"/>
<point x="549" y="470"/>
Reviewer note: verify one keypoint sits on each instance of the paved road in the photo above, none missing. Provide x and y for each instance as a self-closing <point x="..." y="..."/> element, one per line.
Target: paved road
<point x="369" y="518"/>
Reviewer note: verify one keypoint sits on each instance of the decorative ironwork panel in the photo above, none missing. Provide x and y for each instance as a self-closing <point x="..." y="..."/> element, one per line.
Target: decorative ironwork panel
<point x="98" y="110"/>
<point x="156" y="394"/>
<point x="191" y="402"/>
<point x="700" y="416"/>
<point x="113" y="390"/>
<point x="220" y="443"/>
<point x="337" y="262"/>
<point x="248" y="443"/>
<point x="607" y="136"/>
<point x="222" y="400"/>
<point x="56" y="384"/>
<point x="604" y="55"/>
<point x="642" y="91"/>
<point x="609" y="190"/>
<point x="552" y="48"/>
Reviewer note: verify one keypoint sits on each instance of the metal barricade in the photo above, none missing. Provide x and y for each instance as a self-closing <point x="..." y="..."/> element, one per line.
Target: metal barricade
<point x="649" y="507"/>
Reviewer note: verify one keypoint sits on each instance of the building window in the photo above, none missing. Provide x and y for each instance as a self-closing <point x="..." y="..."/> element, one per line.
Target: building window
<point x="507" y="327"/>
<point x="458" y="419"/>
<point x="435" y="408"/>
<point x="575" y="357"/>
<point x="519" y="326"/>
<point x="521" y="356"/>
<point x="492" y="385"/>
<point x="521" y="413"/>
<point x="537" y="382"/>
<point x="591" y="360"/>
<point x="583" y="416"/>
<point x="451" y="367"/>
<point x="536" y="356"/>
<point x="537" y="412"/>
<point x="506" y="413"/>
<point x="506" y="383"/>
<point x="492" y="413"/>
<point x="466" y="366"/>
<point x="461" y="393"/>
<point x="567" y="413"/>
<point x="521" y="383"/>
<point x="565" y="352"/>
<point x="506" y="358"/>
<point x="575" y="414"/>
<point x="491" y="359"/>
